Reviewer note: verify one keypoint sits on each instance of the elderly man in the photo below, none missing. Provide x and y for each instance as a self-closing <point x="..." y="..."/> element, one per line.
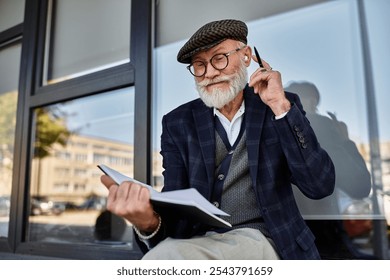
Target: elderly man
<point x="241" y="145"/>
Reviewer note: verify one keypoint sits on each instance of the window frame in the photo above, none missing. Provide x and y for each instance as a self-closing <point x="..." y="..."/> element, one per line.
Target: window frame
<point x="32" y="94"/>
<point x="8" y="37"/>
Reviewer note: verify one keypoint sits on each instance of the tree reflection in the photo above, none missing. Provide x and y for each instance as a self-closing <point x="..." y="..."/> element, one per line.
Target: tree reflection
<point x="50" y="129"/>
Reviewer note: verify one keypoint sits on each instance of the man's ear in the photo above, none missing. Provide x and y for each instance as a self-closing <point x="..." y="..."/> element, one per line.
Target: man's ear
<point x="247" y="56"/>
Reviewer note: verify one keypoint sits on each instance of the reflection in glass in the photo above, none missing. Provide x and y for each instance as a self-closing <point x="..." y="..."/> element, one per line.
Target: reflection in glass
<point x="67" y="198"/>
<point x="378" y="24"/>
<point x="319" y="36"/>
<point x="85" y="36"/>
<point x="353" y="180"/>
<point x="11" y="13"/>
<point x="347" y="213"/>
<point x="9" y="73"/>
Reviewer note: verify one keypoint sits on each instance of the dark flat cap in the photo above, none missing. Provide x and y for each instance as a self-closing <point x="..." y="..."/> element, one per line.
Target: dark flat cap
<point x="210" y="35"/>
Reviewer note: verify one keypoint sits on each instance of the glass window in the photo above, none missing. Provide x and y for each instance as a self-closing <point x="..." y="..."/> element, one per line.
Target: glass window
<point x="86" y="36"/>
<point x="304" y="64"/>
<point x="67" y="198"/>
<point x="11" y="13"/>
<point x="377" y="19"/>
<point x="318" y="51"/>
<point x="9" y="73"/>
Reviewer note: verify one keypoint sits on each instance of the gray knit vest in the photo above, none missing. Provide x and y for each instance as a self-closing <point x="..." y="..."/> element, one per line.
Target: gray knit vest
<point x="238" y="196"/>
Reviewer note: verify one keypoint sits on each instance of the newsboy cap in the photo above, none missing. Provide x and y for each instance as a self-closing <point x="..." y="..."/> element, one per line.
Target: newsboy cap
<point x="210" y="35"/>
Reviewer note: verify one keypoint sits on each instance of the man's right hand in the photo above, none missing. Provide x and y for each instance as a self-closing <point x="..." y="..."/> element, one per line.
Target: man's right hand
<point x="132" y="202"/>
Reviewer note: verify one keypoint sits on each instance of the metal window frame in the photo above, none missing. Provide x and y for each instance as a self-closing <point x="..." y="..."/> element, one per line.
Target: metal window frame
<point x="33" y="94"/>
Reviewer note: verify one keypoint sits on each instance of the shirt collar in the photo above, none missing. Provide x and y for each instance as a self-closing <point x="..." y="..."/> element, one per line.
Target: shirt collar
<point x="239" y="113"/>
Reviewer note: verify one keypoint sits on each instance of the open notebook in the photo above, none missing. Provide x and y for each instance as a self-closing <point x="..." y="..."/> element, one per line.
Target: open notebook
<point x="188" y="201"/>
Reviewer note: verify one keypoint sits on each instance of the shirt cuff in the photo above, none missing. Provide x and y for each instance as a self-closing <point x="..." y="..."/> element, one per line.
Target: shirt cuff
<point x="281" y="116"/>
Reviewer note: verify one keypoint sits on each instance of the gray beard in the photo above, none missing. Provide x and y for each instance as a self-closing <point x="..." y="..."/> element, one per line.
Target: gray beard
<point x="218" y="98"/>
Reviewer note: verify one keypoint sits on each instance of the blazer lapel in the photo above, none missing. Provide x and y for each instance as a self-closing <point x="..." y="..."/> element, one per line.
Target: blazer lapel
<point x="204" y="124"/>
<point x="255" y="112"/>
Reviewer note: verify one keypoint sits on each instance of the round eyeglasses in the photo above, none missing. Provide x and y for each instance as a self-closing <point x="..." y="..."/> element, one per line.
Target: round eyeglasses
<point x="219" y="61"/>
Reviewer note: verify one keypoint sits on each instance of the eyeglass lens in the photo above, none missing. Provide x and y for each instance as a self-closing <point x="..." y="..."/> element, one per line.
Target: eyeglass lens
<point x="218" y="61"/>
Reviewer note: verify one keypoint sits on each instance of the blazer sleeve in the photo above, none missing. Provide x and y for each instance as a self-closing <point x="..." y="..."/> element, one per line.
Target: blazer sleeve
<point x="312" y="170"/>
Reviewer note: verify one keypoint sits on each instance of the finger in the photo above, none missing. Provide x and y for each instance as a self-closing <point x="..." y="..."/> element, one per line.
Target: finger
<point x="266" y="65"/>
<point x="259" y="76"/>
<point x="118" y="199"/>
<point x="107" y="181"/>
<point x="135" y="190"/>
<point x="112" y="198"/>
<point x="255" y="58"/>
<point x="125" y="191"/>
<point x="263" y="75"/>
<point x="144" y="195"/>
<point x="263" y="70"/>
<point x="143" y="204"/>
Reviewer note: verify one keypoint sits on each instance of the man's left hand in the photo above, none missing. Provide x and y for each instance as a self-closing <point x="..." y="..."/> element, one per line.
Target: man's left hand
<point x="267" y="83"/>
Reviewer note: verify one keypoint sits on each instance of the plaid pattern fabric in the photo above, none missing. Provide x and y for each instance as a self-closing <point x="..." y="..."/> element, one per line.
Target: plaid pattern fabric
<point x="276" y="155"/>
<point x="210" y="35"/>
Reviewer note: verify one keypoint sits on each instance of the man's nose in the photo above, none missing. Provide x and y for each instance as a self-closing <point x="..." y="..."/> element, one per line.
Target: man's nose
<point x="211" y="72"/>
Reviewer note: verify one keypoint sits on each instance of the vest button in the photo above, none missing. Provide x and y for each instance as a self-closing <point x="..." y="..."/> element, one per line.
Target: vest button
<point x="216" y="204"/>
<point x="221" y="177"/>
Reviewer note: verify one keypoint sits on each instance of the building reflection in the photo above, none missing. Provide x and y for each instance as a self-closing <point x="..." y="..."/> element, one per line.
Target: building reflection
<point x="69" y="180"/>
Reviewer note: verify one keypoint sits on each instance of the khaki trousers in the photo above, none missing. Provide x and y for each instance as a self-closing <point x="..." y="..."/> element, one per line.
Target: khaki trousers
<point x="237" y="244"/>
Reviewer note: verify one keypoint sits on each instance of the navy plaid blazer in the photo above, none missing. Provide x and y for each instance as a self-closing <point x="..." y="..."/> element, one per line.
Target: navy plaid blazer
<point x="280" y="153"/>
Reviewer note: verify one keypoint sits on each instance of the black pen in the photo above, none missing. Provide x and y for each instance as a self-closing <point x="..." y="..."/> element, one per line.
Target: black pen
<point x="258" y="58"/>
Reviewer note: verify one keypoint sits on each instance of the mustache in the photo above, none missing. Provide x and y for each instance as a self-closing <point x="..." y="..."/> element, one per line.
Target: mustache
<point x="208" y="82"/>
